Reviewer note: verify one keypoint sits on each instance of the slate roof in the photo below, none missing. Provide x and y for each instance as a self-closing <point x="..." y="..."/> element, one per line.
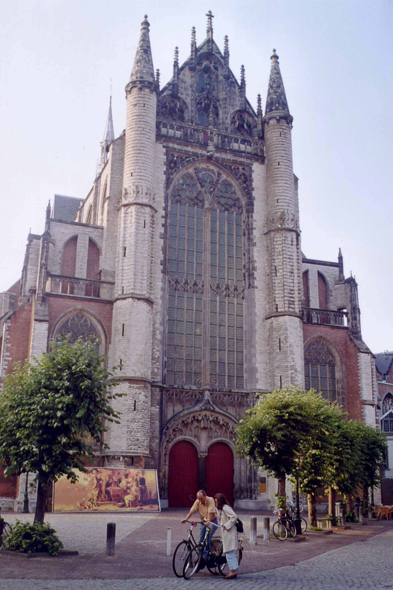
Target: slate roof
<point x="65" y="208"/>
<point x="383" y="362"/>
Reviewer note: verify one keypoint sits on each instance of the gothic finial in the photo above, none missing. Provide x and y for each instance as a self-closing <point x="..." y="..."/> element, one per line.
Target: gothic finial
<point x="193" y="49"/>
<point x="158" y="78"/>
<point x="242" y="76"/>
<point x="209" y="29"/>
<point x="259" y="105"/>
<point x="226" y="46"/>
<point x="176" y="59"/>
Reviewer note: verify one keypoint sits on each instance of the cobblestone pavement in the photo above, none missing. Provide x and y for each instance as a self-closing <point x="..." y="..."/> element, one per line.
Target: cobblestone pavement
<point x="359" y="558"/>
<point x="364" y="565"/>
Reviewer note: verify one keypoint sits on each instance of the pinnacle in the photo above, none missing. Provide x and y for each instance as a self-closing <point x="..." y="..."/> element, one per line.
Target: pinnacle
<point x="143" y="69"/>
<point x="276" y="98"/>
<point x="109" y="134"/>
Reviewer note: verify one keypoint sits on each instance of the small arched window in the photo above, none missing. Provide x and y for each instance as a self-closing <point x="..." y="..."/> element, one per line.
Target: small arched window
<point x="93" y="270"/>
<point x="320" y="370"/>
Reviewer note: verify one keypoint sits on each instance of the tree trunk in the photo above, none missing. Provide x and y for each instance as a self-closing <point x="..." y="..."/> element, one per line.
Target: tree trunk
<point x="350" y="502"/>
<point x="332" y="501"/>
<point x="281" y="485"/>
<point x="312" y="509"/>
<point x="365" y="501"/>
<point x="41" y="499"/>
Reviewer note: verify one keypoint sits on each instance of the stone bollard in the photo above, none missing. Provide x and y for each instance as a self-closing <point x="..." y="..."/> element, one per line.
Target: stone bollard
<point x="266" y="528"/>
<point x="253" y="530"/>
<point x="169" y="542"/>
<point x="110" y="538"/>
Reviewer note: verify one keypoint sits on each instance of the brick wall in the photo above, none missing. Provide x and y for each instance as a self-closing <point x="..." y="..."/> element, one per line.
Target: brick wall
<point x="8" y="485"/>
<point x="348" y="352"/>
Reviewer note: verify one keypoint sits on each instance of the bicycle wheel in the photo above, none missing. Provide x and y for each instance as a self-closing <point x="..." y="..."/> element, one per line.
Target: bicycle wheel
<point x="6" y="532"/>
<point x="303" y="524"/>
<point x="291" y="528"/>
<point x="179" y="558"/>
<point x="192" y="561"/>
<point x="280" y="530"/>
<point x="215" y="552"/>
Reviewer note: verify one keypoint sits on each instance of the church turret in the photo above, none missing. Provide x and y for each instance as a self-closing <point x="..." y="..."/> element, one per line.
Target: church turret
<point x="132" y="333"/>
<point x="283" y="238"/>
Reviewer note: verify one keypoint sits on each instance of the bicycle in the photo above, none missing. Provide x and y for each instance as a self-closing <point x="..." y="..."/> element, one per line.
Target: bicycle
<point x="284" y="526"/>
<point x="5" y="528"/>
<point x="291" y="513"/>
<point x="189" y="555"/>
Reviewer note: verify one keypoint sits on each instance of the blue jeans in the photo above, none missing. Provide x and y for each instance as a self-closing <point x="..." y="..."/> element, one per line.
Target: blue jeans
<point x="202" y="530"/>
<point x="232" y="560"/>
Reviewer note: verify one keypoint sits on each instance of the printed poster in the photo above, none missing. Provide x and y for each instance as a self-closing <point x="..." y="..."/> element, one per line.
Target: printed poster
<point x="101" y="489"/>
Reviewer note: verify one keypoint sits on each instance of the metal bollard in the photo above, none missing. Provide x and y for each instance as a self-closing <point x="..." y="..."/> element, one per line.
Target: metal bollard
<point x="266" y="528"/>
<point x="110" y="538"/>
<point x="169" y="542"/>
<point x="253" y="530"/>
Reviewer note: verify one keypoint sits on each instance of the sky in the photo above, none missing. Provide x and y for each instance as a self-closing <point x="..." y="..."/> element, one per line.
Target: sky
<point x="61" y="59"/>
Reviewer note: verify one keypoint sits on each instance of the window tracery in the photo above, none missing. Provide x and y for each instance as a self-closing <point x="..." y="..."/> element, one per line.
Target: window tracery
<point x="77" y="326"/>
<point x="320" y="370"/>
<point x="206" y="292"/>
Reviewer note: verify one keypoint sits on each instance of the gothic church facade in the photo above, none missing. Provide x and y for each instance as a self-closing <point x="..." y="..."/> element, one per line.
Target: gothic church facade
<point x="185" y="261"/>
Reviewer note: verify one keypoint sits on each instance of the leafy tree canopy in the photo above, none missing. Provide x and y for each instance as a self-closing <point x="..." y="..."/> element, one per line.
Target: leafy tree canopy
<point x="49" y="407"/>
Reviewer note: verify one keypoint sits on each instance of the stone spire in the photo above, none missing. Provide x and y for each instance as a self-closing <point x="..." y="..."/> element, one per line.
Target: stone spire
<point x="175" y="83"/>
<point x="276" y="99"/>
<point x="192" y="65"/>
<point x="226" y="50"/>
<point x="341" y="276"/>
<point x="109" y="136"/>
<point x="143" y="70"/>
<point x="259" y="116"/>
<point x="243" y="88"/>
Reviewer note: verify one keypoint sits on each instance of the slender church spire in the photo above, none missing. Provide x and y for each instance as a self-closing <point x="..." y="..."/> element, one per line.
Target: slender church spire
<point x="109" y="134"/>
<point x="276" y="98"/>
<point x="143" y="69"/>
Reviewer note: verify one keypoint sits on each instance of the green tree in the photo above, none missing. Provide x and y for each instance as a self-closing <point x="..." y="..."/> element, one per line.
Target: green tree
<point x="49" y="408"/>
<point x="280" y="432"/>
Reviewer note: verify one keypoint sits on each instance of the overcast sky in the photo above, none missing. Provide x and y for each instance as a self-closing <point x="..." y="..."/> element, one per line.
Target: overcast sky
<point x="58" y="58"/>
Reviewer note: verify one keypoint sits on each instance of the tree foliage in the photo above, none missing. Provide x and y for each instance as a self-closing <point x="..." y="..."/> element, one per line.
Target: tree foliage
<point x="47" y="410"/>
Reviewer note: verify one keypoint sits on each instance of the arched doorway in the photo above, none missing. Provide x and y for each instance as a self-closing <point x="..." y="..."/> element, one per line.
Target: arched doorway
<point x="183" y="475"/>
<point x="219" y="471"/>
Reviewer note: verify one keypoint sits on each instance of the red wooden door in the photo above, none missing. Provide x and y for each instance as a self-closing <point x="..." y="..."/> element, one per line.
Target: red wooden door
<point x="183" y="475"/>
<point x="219" y="471"/>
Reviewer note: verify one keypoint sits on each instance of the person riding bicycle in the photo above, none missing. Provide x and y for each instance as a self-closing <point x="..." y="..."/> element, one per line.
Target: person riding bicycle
<point x="227" y="518"/>
<point x="208" y="513"/>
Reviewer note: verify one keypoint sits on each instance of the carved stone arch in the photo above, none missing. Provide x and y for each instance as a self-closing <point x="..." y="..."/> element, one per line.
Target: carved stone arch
<point x="335" y="354"/>
<point x="242" y="123"/>
<point x="77" y="322"/>
<point x="199" y="427"/>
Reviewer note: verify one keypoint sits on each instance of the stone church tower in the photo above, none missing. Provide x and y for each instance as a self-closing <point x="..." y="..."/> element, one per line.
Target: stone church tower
<point x="184" y="260"/>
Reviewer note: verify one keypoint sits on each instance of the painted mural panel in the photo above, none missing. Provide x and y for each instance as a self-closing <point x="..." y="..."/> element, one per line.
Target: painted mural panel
<point x="101" y="489"/>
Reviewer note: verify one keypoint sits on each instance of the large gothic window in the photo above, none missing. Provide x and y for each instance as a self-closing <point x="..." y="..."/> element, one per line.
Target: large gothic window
<point x="205" y="282"/>
<point x="77" y="326"/>
<point x="320" y="370"/>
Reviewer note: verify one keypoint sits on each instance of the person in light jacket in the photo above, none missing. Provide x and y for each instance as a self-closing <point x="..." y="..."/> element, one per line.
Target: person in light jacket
<point x="227" y="518"/>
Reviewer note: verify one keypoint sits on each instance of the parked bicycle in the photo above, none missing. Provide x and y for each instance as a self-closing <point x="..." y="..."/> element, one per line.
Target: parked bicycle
<point x="284" y="526"/>
<point x="291" y="511"/>
<point x="5" y="528"/>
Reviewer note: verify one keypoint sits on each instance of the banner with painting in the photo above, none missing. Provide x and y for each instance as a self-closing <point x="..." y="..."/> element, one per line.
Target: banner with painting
<point x="101" y="489"/>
